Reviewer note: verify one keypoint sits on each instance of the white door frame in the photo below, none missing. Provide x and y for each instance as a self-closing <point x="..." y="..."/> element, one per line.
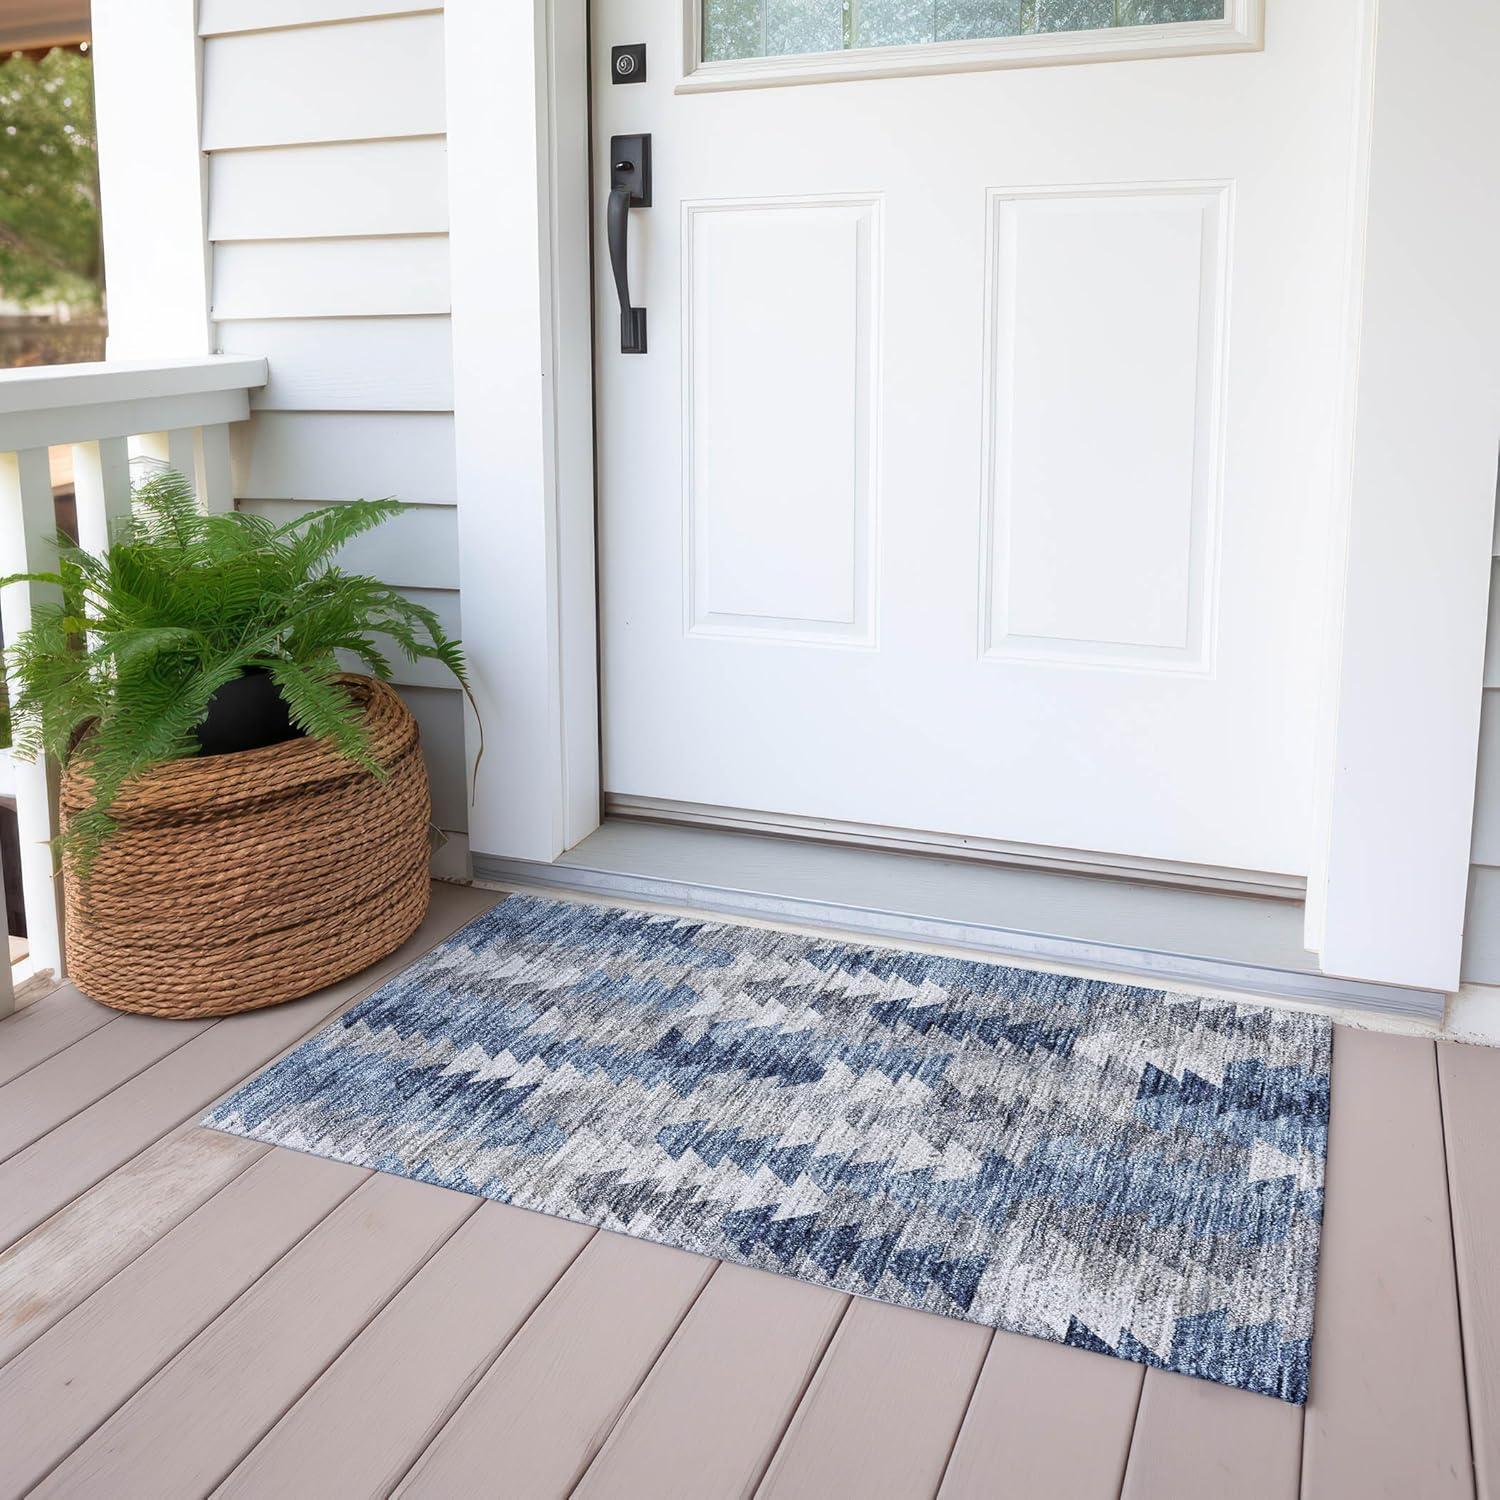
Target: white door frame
<point x="1412" y="565"/>
<point x="518" y="167"/>
<point x="1410" y="562"/>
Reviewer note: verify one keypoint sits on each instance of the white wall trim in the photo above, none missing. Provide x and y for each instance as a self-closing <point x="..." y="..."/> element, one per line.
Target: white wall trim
<point x="1341" y="482"/>
<point x="1390" y="874"/>
<point x="517" y="109"/>
<point x="148" y="99"/>
<point x="1241" y="30"/>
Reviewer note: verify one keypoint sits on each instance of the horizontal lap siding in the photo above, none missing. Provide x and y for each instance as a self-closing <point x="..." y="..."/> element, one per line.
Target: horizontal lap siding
<point x="1482" y="928"/>
<point x="345" y="189"/>
<point x="331" y="278"/>
<point x="327" y="214"/>
<point x="388" y="363"/>
<point x="1487" y="800"/>
<point x="353" y="81"/>
<point x="440" y="713"/>
<point x="318" y="455"/>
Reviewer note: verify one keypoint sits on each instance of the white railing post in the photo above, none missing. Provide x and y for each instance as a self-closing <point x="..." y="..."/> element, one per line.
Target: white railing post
<point x="174" y="410"/>
<point x="181" y="451"/>
<point x="214" y="478"/>
<point x="177" y="447"/>
<point x="28" y="531"/>
<point x="200" y="455"/>
<point x="101" y="488"/>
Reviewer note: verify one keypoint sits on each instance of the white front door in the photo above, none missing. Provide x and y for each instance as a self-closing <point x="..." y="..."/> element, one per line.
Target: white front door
<point x="976" y="477"/>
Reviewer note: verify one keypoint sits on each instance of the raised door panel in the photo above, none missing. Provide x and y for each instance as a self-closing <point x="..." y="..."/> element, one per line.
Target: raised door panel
<point x="780" y="354"/>
<point x="1104" y="373"/>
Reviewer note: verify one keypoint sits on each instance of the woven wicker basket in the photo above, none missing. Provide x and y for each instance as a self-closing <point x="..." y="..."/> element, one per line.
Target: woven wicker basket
<point x="237" y="881"/>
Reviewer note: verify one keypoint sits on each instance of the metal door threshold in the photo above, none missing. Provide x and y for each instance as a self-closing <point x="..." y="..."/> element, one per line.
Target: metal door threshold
<point x="1169" y="936"/>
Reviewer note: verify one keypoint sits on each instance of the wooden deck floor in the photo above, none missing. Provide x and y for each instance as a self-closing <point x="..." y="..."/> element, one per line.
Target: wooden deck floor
<point x="184" y="1313"/>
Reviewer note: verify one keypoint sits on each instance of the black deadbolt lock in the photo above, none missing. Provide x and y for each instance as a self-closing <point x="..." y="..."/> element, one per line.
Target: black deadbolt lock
<point x="628" y="64"/>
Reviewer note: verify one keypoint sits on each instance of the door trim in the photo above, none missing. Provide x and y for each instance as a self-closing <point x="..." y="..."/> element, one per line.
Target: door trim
<point x="1404" y="647"/>
<point x="1411" y="553"/>
<point x="1241" y="30"/>
<point x="522" y="304"/>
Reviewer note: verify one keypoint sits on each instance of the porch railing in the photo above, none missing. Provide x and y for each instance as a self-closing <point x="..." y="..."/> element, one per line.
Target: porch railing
<point x="110" y="415"/>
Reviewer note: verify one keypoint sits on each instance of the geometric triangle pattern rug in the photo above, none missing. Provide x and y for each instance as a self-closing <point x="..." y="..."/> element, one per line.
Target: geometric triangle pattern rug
<point x="1119" y="1168"/>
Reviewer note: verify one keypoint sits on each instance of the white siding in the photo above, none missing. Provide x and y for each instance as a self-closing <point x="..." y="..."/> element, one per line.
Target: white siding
<point x="440" y="713"/>
<point x="1486" y="849"/>
<point x="320" y="455"/>
<point x="392" y="363"/>
<point x="1492" y="642"/>
<point x="307" y="192"/>
<point x="357" y="81"/>
<point x="1482" y="925"/>
<point x="331" y="278"/>
<point x="327" y="215"/>
<point x="1482" y="933"/>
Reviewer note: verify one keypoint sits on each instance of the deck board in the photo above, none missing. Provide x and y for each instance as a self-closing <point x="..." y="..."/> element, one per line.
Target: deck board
<point x="69" y="1081"/>
<point x="1470" y="1081"/>
<point x="881" y="1415"/>
<point x="37" y="1031"/>
<point x="79" y="1373"/>
<point x="38" y="1181"/>
<point x="1387" y="1411"/>
<point x="69" y="1160"/>
<point x="708" y="1418"/>
<point x="1195" y="1438"/>
<point x="193" y="1422"/>
<point x="545" y="1407"/>
<point x="193" y="1309"/>
<point x="370" y="1416"/>
<point x="1045" y="1420"/>
<point x="58" y="1265"/>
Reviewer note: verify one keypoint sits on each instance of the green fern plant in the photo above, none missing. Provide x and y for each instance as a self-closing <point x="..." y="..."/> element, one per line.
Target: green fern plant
<point x="182" y="603"/>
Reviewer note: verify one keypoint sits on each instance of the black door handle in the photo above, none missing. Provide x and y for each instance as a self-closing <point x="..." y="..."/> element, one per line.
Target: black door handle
<point x="629" y="187"/>
<point x="632" y="319"/>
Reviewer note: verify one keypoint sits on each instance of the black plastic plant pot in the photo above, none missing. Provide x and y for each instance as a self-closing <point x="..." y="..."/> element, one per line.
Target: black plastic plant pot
<point x="245" y="714"/>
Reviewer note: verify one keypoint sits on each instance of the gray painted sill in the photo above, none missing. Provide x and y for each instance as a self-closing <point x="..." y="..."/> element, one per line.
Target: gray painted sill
<point x="1167" y="935"/>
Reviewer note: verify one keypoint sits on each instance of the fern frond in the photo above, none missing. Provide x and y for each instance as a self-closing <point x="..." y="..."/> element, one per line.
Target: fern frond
<point x="325" y="531"/>
<point x="321" y="706"/>
<point x="183" y="603"/>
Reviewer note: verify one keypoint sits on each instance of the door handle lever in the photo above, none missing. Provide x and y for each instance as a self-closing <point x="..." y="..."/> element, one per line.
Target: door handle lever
<point x="632" y="319"/>
<point x="629" y="187"/>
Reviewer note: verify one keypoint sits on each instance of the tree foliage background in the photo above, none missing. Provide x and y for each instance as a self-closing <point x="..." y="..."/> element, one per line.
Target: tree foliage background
<point x="50" y="248"/>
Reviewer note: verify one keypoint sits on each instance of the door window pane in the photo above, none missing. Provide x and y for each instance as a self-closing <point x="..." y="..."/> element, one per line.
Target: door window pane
<point x="775" y="28"/>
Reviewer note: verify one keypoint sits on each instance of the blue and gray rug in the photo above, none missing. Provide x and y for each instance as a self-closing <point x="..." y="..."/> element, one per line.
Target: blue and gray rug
<point x="1118" y="1168"/>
